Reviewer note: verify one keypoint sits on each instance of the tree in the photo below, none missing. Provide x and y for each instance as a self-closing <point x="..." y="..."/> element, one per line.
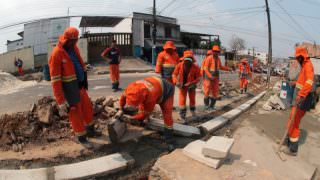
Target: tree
<point x="237" y="44"/>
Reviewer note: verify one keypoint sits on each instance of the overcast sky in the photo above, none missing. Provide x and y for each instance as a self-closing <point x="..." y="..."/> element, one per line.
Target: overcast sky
<point x="292" y="20"/>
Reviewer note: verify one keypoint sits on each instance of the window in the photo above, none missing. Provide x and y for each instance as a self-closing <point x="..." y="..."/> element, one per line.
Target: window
<point x="167" y="32"/>
<point x="147" y="31"/>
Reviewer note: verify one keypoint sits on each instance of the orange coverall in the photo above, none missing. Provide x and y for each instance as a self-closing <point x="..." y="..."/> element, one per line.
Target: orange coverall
<point x="244" y="73"/>
<point x="193" y="78"/>
<point x="66" y="86"/>
<point x="148" y="92"/>
<point x="211" y="68"/>
<point x="304" y="85"/>
<point x="167" y="62"/>
<point x="114" y="55"/>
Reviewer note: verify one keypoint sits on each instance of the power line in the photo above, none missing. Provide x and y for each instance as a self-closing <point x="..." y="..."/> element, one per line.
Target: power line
<point x="168" y="5"/>
<point x="294" y="21"/>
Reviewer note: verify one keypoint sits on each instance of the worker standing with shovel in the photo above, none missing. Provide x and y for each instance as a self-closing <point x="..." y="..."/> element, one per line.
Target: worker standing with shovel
<point x="303" y="101"/>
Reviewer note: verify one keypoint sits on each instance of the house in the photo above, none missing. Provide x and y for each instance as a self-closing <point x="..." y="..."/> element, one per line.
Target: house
<point x="167" y="29"/>
<point x="313" y="49"/>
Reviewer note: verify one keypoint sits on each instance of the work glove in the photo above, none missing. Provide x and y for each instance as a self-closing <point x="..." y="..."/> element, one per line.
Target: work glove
<point x="299" y="100"/>
<point x="63" y="109"/>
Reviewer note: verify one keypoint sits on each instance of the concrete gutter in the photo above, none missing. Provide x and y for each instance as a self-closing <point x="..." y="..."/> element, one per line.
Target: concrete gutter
<point x="214" y="124"/>
<point x="85" y="169"/>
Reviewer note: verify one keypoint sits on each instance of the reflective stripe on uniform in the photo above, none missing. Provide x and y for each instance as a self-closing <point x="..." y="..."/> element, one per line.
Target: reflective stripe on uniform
<point x="309" y="81"/>
<point x="69" y="78"/>
<point x="299" y="86"/>
<point x="168" y="65"/>
<point x="55" y="78"/>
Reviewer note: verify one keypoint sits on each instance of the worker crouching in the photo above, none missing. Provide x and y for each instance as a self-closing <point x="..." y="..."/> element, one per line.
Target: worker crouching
<point x="244" y="74"/>
<point x="303" y="100"/>
<point x="141" y="97"/>
<point x="69" y="83"/>
<point x="211" y="72"/>
<point x="186" y="76"/>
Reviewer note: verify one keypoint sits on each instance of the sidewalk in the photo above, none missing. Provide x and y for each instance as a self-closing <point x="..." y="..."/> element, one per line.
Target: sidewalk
<point x="128" y="65"/>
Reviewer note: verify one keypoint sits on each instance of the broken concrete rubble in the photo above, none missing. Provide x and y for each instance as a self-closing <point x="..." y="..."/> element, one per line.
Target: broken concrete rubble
<point x="274" y="102"/>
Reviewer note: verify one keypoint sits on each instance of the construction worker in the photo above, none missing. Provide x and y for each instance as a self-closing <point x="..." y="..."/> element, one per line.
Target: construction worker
<point x="211" y="70"/>
<point x="186" y="76"/>
<point x="303" y="100"/>
<point x="141" y="96"/>
<point x="69" y="83"/>
<point x="112" y="56"/>
<point x="244" y="74"/>
<point x="19" y="63"/>
<point x="167" y="61"/>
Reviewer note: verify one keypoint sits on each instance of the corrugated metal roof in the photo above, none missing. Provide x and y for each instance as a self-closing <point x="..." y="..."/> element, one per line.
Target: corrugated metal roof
<point x="100" y="21"/>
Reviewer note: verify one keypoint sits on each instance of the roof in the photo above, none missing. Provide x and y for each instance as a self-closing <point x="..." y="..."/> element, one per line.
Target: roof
<point x="21" y="33"/>
<point x="13" y="41"/>
<point x="198" y="34"/>
<point x="150" y="15"/>
<point x="100" y="21"/>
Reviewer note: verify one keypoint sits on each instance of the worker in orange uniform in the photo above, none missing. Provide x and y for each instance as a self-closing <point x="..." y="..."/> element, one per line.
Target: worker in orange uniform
<point x="167" y="61"/>
<point x="186" y="76"/>
<point x="211" y="69"/>
<point x="112" y="56"/>
<point x="303" y="100"/>
<point x="244" y="74"/>
<point x="69" y="82"/>
<point x="141" y="96"/>
<point x="19" y="63"/>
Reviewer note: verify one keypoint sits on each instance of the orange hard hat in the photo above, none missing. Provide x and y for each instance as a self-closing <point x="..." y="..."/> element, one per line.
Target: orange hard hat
<point x="244" y="60"/>
<point x="70" y="33"/>
<point x="169" y="45"/>
<point x="188" y="54"/>
<point x="216" y="48"/>
<point x="301" y="51"/>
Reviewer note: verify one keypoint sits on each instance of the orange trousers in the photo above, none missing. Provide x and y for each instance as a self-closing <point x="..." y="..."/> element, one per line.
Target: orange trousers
<point x="81" y="114"/>
<point x="243" y="83"/>
<point x="183" y="98"/>
<point x="211" y="88"/>
<point x="20" y="70"/>
<point x="114" y="73"/>
<point x="294" y="131"/>
<point x="166" y="108"/>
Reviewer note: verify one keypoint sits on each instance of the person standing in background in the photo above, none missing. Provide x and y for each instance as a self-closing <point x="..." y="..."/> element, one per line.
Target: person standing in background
<point x="112" y="56"/>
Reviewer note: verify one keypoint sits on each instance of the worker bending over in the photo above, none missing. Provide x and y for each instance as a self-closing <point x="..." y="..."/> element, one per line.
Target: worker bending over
<point x="303" y="100"/>
<point x="69" y="83"/>
<point x="211" y="70"/>
<point x="141" y="96"/>
<point x="186" y="76"/>
<point x="244" y="74"/>
<point x="167" y="61"/>
<point x="112" y="56"/>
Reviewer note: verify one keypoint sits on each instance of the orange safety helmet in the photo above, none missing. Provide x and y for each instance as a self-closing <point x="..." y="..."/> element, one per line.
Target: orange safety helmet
<point x="301" y="51"/>
<point x="216" y="48"/>
<point x="169" y="45"/>
<point x="188" y="54"/>
<point x="70" y="33"/>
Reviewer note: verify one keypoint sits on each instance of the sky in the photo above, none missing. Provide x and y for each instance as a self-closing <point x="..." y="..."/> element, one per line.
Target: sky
<point x="292" y="21"/>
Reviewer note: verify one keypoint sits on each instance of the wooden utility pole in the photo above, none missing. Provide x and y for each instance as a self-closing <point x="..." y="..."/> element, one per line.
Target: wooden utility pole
<point x="154" y="34"/>
<point x="270" y="44"/>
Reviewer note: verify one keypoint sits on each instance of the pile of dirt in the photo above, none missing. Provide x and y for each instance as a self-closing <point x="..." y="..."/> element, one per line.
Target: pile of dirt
<point x="32" y="77"/>
<point x="10" y="84"/>
<point x="44" y="124"/>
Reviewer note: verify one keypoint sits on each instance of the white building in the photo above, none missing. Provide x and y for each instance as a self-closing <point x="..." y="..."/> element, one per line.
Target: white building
<point x="262" y="56"/>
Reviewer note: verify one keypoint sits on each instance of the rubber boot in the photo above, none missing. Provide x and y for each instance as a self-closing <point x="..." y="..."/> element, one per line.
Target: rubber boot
<point x="245" y="90"/>
<point x="113" y="86"/>
<point x="292" y="150"/>
<point x="84" y="142"/>
<point x="91" y="132"/>
<point x="193" y="111"/>
<point x="168" y="137"/>
<point x="241" y="91"/>
<point x="183" y="114"/>
<point x="206" y="101"/>
<point x="212" y="103"/>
